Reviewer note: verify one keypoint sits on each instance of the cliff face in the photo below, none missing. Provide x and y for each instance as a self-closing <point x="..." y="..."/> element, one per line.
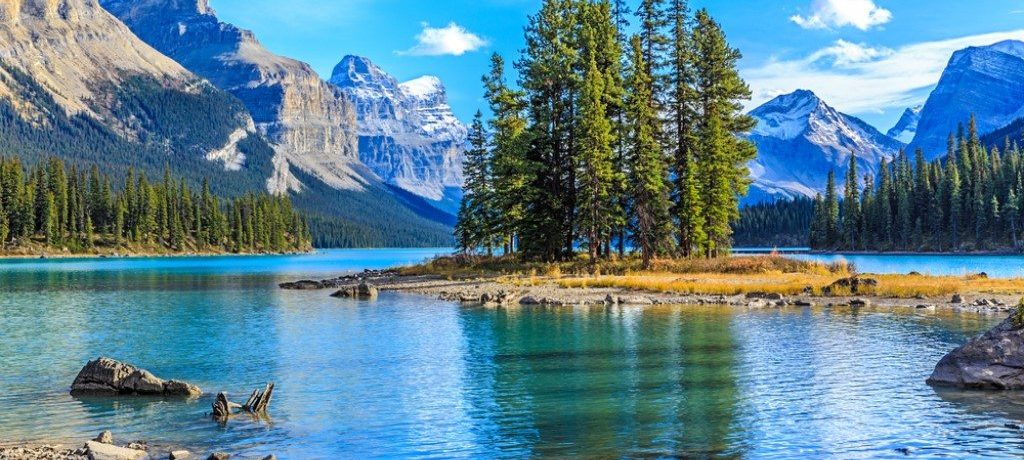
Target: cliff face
<point x="72" y="47"/>
<point x="310" y="123"/>
<point x="70" y="66"/>
<point x="408" y="134"/>
<point x="984" y="82"/>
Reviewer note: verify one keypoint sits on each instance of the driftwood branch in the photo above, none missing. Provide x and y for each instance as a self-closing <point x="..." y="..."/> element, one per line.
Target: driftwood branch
<point x="256" y="405"/>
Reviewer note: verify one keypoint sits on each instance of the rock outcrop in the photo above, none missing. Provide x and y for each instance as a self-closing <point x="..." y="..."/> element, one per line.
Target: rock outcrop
<point x="361" y="291"/>
<point x="309" y="122"/>
<point x="101" y="451"/>
<point x="106" y="376"/>
<point x="993" y="361"/>
<point x="71" y="46"/>
<point x="408" y="134"/>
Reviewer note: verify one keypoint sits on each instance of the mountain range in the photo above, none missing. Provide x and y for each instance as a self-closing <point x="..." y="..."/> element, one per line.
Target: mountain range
<point x="146" y="71"/>
<point x="800" y="138"/>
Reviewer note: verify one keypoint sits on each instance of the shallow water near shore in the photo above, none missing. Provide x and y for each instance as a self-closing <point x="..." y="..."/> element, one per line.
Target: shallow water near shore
<point x="409" y="376"/>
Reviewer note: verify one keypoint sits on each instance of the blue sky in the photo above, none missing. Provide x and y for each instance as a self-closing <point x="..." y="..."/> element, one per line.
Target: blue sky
<point x="870" y="58"/>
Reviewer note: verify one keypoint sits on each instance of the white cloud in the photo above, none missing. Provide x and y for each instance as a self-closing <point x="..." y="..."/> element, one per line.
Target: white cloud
<point x="451" y="40"/>
<point x="862" y="14"/>
<point x="856" y="78"/>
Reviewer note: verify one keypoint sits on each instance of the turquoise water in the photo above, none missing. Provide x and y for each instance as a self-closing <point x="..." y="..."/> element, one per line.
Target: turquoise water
<point x="1001" y="266"/>
<point x="409" y="376"/>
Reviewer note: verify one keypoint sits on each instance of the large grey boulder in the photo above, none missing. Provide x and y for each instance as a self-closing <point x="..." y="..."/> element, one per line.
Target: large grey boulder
<point x="993" y="361"/>
<point x="106" y="376"/>
<point x="101" y="451"/>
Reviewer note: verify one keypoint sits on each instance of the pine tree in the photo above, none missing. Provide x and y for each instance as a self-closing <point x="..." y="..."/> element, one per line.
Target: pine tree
<point x="511" y="170"/>
<point x="648" y="186"/>
<point x="723" y="152"/>
<point x="595" y="162"/>
<point x="831" y="219"/>
<point x="851" y="206"/>
<point x="476" y="224"/>
<point x="688" y="209"/>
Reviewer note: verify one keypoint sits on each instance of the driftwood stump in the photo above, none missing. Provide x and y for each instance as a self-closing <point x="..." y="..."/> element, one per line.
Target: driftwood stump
<point x="256" y="405"/>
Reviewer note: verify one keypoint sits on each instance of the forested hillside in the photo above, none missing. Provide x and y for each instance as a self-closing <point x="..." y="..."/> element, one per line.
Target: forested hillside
<point x="50" y="207"/>
<point x="968" y="200"/>
<point x="782" y="224"/>
<point x="157" y="126"/>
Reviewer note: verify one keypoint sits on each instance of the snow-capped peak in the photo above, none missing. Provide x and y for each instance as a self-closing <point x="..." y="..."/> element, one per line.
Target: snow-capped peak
<point x="786" y="116"/>
<point x="800" y="139"/>
<point x="425" y="87"/>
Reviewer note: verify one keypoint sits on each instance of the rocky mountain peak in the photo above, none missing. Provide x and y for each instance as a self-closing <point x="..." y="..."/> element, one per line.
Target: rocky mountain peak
<point x="800" y="138"/>
<point x="309" y="122"/>
<point x="983" y="81"/>
<point x="360" y="75"/>
<point x="408" y="133"/>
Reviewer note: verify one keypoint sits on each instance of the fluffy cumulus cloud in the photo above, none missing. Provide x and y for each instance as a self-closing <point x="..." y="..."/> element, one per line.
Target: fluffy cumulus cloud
<point x="862" y="14"/>
<point x="857" y="78"/>
<point x="451" y="40"/>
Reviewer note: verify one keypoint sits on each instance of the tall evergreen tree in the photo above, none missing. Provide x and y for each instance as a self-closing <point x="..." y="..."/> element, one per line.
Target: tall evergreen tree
<point x="723" y="151"/>
<point x="649" y="190"/>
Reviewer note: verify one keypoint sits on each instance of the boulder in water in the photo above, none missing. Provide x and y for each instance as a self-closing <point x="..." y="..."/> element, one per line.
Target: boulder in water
<point x="362" y="291"/>
<point x="994" y="361"/>
<point x="106" y="376"/>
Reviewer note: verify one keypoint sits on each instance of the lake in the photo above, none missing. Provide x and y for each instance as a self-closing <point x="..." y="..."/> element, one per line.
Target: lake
<point x="410" y="376"/>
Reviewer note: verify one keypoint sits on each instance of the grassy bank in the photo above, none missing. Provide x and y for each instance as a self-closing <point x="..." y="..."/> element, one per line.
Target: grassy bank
<point x="725" y="276"/>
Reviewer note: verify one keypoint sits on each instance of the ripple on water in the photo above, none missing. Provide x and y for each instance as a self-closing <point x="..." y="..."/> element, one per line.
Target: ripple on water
<point x="408" y="376"/>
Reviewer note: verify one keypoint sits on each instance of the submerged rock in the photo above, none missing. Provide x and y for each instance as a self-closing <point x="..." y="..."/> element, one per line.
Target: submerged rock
<point x="106" y="376"/>
<point x="106" y="437"/>
<point x="303" y="285"/>
<point x="362" y="291"/>
<point x="993" y="361"/>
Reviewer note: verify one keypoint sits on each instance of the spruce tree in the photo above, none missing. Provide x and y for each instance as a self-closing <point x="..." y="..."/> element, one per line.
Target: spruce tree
<point x="681" y="109"/>
<point x="596" y="175"/>
<point x="723" y="151"/>
<point x="648" y="187"/>
<point x="831" y="215"/>
<point x="851" y="205"/>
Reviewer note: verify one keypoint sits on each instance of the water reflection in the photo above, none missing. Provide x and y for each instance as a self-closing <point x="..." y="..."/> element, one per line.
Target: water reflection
<point x="409" y="376"/>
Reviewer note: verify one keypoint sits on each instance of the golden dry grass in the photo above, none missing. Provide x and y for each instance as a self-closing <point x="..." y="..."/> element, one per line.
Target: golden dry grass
<point x="724" y="276"/>
<point x="891" y="286"/>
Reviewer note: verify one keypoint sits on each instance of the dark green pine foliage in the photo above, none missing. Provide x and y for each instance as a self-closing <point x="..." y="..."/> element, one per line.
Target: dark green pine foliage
<point x="851" y="207"/>
<point x="593" y="151"/>
<point x="648" y="179"/>
<point x="775" y="224"/>
<point x="52" y="207"/>
<point x="969" y="200"/>
<point x="476" y="228"/>
<point x="723" y="151"/>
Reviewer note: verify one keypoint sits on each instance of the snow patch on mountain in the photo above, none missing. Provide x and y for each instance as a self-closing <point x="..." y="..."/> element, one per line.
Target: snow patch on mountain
<point x="408" y="134"/>
<point x="906" y="127"/>
<point x="800" y="139"/>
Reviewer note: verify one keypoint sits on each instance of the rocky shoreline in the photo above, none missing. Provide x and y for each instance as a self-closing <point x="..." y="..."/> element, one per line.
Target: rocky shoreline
<point x="495" y="292"/>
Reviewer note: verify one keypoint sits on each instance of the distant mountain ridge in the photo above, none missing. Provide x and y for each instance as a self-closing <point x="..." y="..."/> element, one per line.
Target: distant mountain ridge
<point x="407" y="132"/>
<point x="985" y="81"/>
<point x="800" y="139"/>
<point x="77" y="83"/>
